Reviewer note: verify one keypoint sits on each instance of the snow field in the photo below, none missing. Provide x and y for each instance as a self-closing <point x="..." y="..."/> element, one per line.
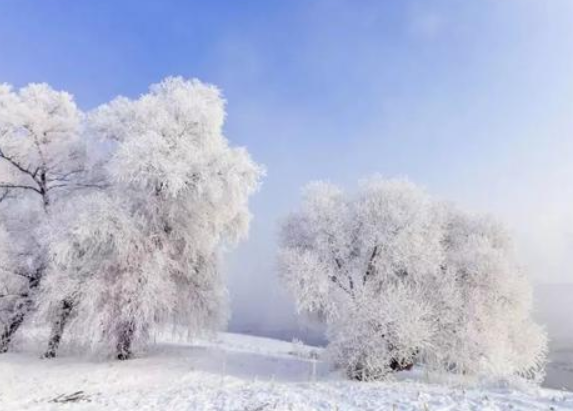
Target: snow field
<point x="235" y="372"/>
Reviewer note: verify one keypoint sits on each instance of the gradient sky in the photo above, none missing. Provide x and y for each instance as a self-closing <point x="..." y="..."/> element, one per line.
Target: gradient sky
<point x="471" y="99"/>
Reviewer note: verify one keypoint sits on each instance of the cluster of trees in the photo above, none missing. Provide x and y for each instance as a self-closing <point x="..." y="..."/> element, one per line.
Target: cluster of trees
<point x="113" y="220"/>
<point x="400" y="278"/>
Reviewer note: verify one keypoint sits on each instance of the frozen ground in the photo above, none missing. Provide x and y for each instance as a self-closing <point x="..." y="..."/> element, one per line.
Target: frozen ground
<point x="237" y="372"/>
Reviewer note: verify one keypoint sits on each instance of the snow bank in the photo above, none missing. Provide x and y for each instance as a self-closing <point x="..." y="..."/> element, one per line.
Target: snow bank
<point x="234" y="373"/>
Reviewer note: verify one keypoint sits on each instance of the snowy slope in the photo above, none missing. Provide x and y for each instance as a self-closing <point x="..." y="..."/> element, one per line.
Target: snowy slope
<point x="236" y="372"/>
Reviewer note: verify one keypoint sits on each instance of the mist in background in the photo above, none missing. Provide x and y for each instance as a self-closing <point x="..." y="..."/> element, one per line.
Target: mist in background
<point x="471" y="99"/>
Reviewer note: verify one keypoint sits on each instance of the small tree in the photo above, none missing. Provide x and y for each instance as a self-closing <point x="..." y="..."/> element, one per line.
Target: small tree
<point x="145" y="254"/>
<point x="41" y="162"/>
<point x="400" y="278"/>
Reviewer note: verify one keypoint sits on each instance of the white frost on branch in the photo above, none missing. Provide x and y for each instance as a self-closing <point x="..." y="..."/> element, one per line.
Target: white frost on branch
<point x="40" y="147"/>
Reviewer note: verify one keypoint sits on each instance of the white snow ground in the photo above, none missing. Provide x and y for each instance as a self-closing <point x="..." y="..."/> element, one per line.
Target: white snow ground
<point x="236" y="372"/>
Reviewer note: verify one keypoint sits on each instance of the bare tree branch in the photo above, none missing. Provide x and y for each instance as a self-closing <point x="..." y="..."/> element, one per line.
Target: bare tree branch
<point x="4" y="195"/>
<point x="335" y="280"/>
<point x="15" y="163"/>
<point x="21" y="187"/>
<point x="371" y="268"/>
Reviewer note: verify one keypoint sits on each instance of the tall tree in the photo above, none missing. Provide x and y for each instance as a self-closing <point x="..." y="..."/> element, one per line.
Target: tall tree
<point x="145" y="254"/>
<point x="41" y="161"/>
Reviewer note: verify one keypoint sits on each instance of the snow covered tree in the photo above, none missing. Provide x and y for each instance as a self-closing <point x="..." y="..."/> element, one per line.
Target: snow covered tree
<point x="41" y="161"/>
<point x="350" y="258"/>
<point x="400" y="278"/>
<point x="491" y="331"/>
<point x="145" y="254"/>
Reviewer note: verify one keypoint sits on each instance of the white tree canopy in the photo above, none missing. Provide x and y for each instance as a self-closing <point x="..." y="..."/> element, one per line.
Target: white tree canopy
<point x="40" y="147"/>
<point x="401" y="278"/>
<point x="145" y="254"/>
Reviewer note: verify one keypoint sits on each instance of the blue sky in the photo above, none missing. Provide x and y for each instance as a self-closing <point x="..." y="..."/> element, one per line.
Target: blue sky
<point x="471" y="99"/>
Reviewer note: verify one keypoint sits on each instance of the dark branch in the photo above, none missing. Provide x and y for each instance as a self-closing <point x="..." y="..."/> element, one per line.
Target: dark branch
<point x="23" y="295"/>
<point x="20" y="187"/>
<point x="4" y="195"/>
<point x="340" y="266"/>
<point x="335" y="280"/>
<point x="371" y="268"/>
<point x="14" y="163"/>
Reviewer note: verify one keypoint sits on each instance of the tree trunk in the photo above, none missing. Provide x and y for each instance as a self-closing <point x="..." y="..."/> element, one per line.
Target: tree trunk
<point x="58" y="329"/>
<point x="10" y="330"/>
<point x="124" y="341"/>
<point x="18" y="319"/>
<point x="402" y="365"/>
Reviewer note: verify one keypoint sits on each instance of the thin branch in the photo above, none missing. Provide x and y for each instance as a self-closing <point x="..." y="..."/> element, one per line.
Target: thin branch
<point x="348" y="276"/>
<point x="23" y="295"/>
<point x="18" y="186"/>
<point x="78" y="186"/>
<point x="335" y="280"/>
<point x="66" y="176"/>
<point x="14" y="163"/>
<point x="371" y="268"/>
<point x="19" y="274"/>
<point x="4" y="195"/>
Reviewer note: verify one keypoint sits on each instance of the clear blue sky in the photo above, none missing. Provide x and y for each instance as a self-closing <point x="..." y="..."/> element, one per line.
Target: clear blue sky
<point x="472" y="99"/>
